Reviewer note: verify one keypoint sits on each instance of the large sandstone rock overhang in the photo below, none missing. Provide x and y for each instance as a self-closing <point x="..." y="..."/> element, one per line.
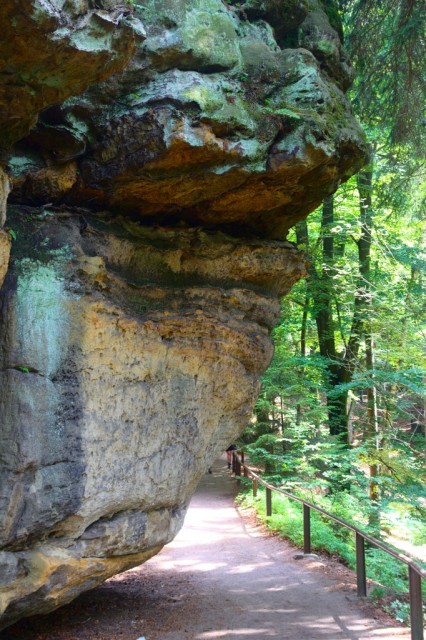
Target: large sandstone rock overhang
<point x="156" y="156"/>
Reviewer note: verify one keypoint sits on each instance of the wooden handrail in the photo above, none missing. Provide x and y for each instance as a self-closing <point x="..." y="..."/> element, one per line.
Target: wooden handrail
<point x="416" y="572"/>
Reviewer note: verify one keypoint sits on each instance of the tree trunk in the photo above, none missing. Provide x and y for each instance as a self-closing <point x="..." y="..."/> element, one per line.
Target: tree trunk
<point x="320" y="287"/>
<point x="364" y="294"/>
<point x="301" y="369"/>
<point x="373" y="435"/>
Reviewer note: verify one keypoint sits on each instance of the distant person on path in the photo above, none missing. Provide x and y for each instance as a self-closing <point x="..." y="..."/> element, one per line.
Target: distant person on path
<point x="229" y="451"/>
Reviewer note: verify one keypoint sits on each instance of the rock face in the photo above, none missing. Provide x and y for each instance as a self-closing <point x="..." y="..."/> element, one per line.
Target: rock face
<point x="150" y="213"/>
<point x="213" y="123"/>
<point x="5" y="238"/>
<point x="50" y="50"/>
<point x="130" y="358"/>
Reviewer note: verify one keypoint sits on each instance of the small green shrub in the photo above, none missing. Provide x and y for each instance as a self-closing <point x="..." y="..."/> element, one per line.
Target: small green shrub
<point x="386" y="570"/>
<point x="399" y="610"/>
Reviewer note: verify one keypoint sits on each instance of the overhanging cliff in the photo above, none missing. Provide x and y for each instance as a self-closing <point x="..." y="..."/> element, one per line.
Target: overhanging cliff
<point x="156" y="156"/>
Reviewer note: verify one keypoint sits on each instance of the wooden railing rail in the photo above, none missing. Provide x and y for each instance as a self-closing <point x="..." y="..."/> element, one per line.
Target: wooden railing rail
<point x="415" y="572"/>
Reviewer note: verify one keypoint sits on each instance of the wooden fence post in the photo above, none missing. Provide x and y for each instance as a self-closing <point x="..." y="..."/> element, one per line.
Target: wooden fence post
<point x="255" y="484"/>
<point x="361" y="578"/>
<point x="268" y="502"/>
<point x="306" y="529"/>
<point x="416" y="609"/>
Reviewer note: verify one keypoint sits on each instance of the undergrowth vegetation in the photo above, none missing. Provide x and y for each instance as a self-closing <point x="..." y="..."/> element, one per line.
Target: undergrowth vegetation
<point x="341" y="418"/>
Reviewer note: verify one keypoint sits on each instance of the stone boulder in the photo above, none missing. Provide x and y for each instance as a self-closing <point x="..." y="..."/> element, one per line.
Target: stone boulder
<point x="50" y="50"/>
<point x="130" y="358"/>
<point x="150" y="210"/>
<point x="213" y="123"/>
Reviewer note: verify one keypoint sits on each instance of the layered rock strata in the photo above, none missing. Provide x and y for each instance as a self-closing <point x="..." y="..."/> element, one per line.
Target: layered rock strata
<point x="150" y="208"/>
<point x="216" y="122"/>
<point x="130" y="358"/>
<point x="50" y="50"/>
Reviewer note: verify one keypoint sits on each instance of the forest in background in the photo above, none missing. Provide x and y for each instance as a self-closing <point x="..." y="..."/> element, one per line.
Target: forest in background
<point x="341" y="416"/>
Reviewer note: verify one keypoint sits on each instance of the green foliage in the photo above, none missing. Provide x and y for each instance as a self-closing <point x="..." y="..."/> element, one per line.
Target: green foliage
<point x="266" y="452"/>
<point x="400" y="610"/>
<point x="297" y="388"/>
<point x="386" y="43"/>
<point x="349" y="350"/>
<point x="387" y="570"/>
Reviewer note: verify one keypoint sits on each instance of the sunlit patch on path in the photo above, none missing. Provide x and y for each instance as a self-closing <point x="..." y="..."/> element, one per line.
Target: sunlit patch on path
<point x="221" y="578"/>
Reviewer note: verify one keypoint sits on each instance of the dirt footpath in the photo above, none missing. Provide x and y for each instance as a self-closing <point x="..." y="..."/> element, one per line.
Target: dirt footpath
<point x="222" y="577"/>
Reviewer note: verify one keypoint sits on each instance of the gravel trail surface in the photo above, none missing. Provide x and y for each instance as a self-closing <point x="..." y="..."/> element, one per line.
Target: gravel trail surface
<point x="222" y="577"/>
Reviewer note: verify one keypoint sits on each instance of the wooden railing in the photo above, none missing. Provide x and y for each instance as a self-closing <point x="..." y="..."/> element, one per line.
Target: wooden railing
<point x="415" y="572"/>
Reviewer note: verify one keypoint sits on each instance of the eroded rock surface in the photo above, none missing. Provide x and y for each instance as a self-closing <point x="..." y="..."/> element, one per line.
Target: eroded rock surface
<point x="213" y="122"/>
<point x="130" y="358"/>
<point x="5" y="238"/>
<point x="150" y="210"/>
<point x="50" y="50"/>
